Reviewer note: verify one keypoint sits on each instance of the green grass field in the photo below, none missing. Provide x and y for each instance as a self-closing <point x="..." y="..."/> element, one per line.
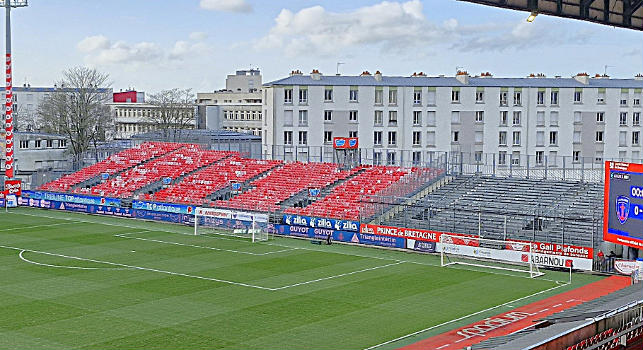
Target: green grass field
<point x="73" y="281"/>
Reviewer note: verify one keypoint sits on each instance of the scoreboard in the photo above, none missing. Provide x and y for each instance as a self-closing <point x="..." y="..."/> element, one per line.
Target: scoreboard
<point x="623" y="204"/>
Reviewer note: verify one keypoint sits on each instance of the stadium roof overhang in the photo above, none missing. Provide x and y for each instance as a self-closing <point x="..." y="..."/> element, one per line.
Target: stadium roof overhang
<point x="618" y="13"/>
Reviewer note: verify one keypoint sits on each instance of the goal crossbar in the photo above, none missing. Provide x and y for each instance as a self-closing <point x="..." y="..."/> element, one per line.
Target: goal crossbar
<point x="252" y="226"/>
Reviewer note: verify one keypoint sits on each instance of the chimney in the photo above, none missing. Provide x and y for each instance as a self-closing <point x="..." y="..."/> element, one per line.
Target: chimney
<point x="315" y="75"/>
<point x="485" y="75"/>
<point x="365" y="74"/>
<point x="639" y="76"/>
<point x="582" y="78"/>
<point x="463" y="77"/>
<point x="295" y="72"/>
<point x="378" y="76"/>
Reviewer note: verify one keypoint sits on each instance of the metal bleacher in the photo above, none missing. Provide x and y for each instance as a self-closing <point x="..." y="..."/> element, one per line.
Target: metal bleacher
<point x="509" y="208"/>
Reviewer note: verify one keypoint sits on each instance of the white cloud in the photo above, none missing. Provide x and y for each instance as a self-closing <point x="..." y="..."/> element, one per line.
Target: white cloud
<point x="100" y="50"/>
<point x="226" y="5"/>
<point x="198" y="36"/>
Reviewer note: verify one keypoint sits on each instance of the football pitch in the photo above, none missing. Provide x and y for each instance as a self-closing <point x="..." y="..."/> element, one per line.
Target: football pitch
<point x="74" y="281"/>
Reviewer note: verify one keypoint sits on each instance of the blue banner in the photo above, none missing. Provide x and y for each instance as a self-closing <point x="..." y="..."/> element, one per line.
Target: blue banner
<point x="422" y="246"/>
<point x="1" y="202"/>
<point x="163" y="207"/>
<point x="341" y="236"/>
<point x="159" y="216"/>
<point x="331" y="224"/>
<point x="72" y="198"/>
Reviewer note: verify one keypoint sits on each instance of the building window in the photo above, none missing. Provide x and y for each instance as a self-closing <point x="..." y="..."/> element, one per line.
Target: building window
<point x="600" y="117"/>
<point x="599" y="136"/>
<point x="430" y="98"/>
<point x="328" y="94"/>
<point x="303" y="96"/>
<point x="303" y="118"/>
<point x="62" y="143"/>
<point x="417" y="96"/>
<point x="637" y="102"/>
<point x="553" y="138"/>
<point x="328" y="136"/>
<point x="516" y="138"/>
<point x="504" y="115"/>
<point x="553" y="118"/>
<point x="479" y="116"/>
<point x="502" y="158"/>
<point x="578" y="96"/>
<point x="328" y="116"/>
<point x="392" y="118"/>
<point x="455" y="96"/>
<point x="392" y="138"/>
<point x="515" y="158"/>
<point x="377" y="158"/>
<point x="352" y="116"/>
<point x="636" y="118"/>
<point x="303" y="138"/>
<point x="624" y="96"/>
<point x="623" y="119"/>
<point x="502" y="138"/>
<point x="353" y="94"/>
<point x="540" y="138"/>
<point x="430" y="138"/>
<point x="288" y="118"/>
<point x="455" y="136"/>
<point x="455" y="117"/>
<point x="540" y="118"/>
<point x="390" y="158"/>
<point x="622" y="138"/>
<point x="50" y="143"/>
<point x="377" y="138"/>
<point x="417" y="118"/>
<point x="554" y="97"/>
<point x="540" y="98"/>
<point x="287" y="95"/>
<point x="503" y="98"/>
<point x="480" y="96"/>
<point x="417" y="158"/>
<point x="477" y="156"/>
<point x="478" y="137"/>
<point x="24" y="144"/>
<point x="578" y="118"/>
<point x="517" y="98"/>
<point x="378" y="117"/>
<point x="577" y="137"/>
<point x="601" y="97"/>
<point x="352" y="133"/>
<point x="430" y="118"/>
<point x="417" y="138"/>
<point x="635" y="138"/>
<point x="598" y="158"/>
<point x="516" y="118"/>
<point x="540" y="157"/>
<point x="38" y="143"/>
<point x="379" y="96"/>
<point x="287" y="137"/>
<point x="392" y="96"/>
<point x="576" y="156"/>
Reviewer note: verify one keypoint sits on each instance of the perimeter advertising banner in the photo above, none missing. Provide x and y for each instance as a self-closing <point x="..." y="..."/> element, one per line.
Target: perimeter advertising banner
<point x="13" y="187"/>
<point x="623" y="204"/>
<point x="163" y="207"/>
<point x="72" y="198"/>
<point x="331" y="224"/>
<point x="341" y="236"/>
<point x="417" y="234"/>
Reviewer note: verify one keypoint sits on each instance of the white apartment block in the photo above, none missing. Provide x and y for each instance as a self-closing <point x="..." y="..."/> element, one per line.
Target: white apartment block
<point x="236" y="108"/>
<point x="504" y="121"/>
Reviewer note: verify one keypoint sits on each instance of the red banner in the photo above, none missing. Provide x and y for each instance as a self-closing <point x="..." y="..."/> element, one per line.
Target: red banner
<point x="419" y="235"/>
<point x="13" y="187"/>
<point x="8" y="163"/>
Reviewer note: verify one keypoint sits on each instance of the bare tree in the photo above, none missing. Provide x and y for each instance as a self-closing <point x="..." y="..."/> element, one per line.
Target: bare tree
<point x="77" y="109"/>
<point x="173" y="112"/>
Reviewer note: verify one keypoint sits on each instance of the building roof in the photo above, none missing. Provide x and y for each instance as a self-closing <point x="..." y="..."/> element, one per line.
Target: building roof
<point x="198" y="136"/>
<point x="52" y="89"/>
<point x="537" y="82"/>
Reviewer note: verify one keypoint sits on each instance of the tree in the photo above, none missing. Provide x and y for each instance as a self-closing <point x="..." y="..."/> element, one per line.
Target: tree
<point x="77" y="109"/>
<point x="173" y="112"/>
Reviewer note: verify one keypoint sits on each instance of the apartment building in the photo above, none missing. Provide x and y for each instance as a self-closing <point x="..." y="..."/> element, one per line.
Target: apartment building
<point x="507" y="121"/>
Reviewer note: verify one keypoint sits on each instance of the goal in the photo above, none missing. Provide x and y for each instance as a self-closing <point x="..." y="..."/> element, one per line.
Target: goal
<point x="484" y="253"/>
<point x="212" y="221"/>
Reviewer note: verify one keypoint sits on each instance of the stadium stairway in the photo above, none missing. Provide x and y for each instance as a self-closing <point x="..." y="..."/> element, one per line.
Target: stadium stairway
<point x="226" y="193"/>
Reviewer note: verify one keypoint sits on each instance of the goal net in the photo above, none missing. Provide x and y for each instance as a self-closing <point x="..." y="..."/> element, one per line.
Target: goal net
<point x="212" y="221"/>
<point x="483" y="253"/>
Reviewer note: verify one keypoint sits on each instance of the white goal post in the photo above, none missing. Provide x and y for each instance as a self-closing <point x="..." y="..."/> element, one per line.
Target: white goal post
<point x="488" y="253"/>
<point x="252" y="226"/>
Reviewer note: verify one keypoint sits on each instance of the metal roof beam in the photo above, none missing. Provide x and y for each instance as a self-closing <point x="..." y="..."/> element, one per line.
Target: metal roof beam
<point x="584" y="8"/>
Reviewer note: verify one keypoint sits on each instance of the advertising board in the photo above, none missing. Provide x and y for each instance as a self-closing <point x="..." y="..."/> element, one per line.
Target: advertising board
<point x="623" y="204"/>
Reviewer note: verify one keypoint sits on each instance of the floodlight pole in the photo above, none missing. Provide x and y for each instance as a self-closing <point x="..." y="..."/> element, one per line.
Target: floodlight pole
<point x="9" y="123"/>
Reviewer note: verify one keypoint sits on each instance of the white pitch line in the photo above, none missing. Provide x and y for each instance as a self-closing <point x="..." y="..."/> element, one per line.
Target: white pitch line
<point x="199" y="246"/>
<point x="36" y="226"/>
<point x="65" y="267"/>
<point x="337" y="276"/>
<point x="461" y="318"/>
<point x="138" y="268"/>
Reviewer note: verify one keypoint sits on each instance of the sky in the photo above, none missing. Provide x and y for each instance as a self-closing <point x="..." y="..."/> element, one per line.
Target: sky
<point x="151" y="45"/>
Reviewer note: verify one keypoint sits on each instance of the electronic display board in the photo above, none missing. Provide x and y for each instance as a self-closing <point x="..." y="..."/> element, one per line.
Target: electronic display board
<point x="623" y="204"/>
